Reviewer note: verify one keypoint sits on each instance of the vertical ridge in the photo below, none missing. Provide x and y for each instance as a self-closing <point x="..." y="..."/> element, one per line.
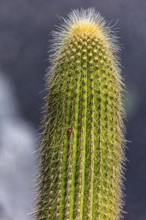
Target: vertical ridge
<point x="65" y="145"/>
<point x="77" y="91"/>
<point x="73" y="143"/>
<point x="48" y="154"/>
<point x="92" y="151"/>
<point x="83" y="123"/>
<point x="99" y="139"/>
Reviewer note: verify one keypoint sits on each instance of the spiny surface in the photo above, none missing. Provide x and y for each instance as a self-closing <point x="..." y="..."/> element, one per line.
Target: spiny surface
<point x="82" y="151"/>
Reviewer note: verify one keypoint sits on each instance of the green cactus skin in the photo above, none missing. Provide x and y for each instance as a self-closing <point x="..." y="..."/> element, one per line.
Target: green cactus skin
<point x="82" y="150"/>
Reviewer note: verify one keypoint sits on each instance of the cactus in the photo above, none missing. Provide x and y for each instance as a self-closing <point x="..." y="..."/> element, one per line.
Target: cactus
<point x="82" y="150"/>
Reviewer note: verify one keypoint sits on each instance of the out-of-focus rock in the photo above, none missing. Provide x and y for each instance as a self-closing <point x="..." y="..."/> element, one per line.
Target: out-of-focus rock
<point x="17" y="144"/>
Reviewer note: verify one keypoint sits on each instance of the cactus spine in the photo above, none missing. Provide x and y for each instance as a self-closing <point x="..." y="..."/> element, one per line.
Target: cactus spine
<point x="82" y="150"/>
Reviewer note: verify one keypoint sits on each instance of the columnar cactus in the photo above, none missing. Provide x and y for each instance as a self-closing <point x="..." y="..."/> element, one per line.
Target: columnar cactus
<point x="82" y="150"/>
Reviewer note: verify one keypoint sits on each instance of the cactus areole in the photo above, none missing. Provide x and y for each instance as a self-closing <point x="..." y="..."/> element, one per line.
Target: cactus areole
<point x="82" y="149"/>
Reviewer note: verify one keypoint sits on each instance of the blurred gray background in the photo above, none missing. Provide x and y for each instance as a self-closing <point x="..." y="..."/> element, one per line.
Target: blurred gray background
<point x="25" y="27"/>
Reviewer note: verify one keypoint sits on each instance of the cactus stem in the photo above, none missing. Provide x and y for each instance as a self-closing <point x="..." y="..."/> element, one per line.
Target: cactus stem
<point x="82" y="149"/>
